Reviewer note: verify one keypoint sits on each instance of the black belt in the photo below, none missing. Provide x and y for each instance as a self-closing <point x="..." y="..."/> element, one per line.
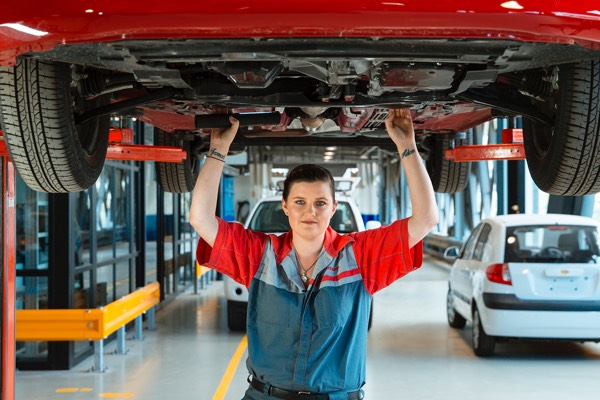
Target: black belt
<point x="296" y="395"/>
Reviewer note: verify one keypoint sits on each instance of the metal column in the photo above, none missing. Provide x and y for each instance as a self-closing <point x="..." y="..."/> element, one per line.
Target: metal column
<point x="572" y="205"/>
<point x="483" y="175"/>
<point x="460" y="231"/>
<point x="7" y="280"/>
<point x="501" y="174"/>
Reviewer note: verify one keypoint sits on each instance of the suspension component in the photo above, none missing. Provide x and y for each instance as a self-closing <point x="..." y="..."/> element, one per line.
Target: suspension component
<point x="250" y="119"/>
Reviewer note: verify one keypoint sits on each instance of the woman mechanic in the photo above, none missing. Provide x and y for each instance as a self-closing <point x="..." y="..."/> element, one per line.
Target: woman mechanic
<point x="310" y="289"/>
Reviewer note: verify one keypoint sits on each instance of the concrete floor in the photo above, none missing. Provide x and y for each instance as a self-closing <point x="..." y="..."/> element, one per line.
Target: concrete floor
<point x="413" y="354"/>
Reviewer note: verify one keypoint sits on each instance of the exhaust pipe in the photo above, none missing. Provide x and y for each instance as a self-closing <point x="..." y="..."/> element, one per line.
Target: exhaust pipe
<point x="251" y="119"/>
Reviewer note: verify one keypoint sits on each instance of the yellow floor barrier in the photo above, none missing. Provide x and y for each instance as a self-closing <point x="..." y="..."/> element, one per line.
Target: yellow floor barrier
<point x="90" y="324"/>
<point x="204" y="276"/>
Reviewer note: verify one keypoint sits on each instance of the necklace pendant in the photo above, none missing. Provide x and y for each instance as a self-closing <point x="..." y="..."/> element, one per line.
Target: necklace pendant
<point x="304" y="278"/>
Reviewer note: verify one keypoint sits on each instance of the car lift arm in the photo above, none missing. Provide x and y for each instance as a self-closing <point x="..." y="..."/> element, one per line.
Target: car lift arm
<point x="511" y="148"/>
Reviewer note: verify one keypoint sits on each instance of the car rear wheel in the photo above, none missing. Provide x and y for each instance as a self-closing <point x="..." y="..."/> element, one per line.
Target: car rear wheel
<point x="176" y="177"/>
<point x="236" y="315"/>
<point x="455" y="320"/>
<point x="483" y="344"/>
<point x="446" y="176"/>
<point x="563" y="158"/>
<point x="39" y="102"/>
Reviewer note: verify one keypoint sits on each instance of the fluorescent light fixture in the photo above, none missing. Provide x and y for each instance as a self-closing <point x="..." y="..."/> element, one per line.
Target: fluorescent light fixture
<point x="579" y="16"/>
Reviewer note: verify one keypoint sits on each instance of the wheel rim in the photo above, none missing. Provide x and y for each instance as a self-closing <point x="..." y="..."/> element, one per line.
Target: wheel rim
<point x="194" y="163"/>
<point x="89" y="138"/>
<point x="542" y="139"/>
<point x="87" y="132"/>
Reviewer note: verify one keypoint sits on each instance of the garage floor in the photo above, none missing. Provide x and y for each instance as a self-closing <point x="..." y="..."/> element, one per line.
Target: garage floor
<point x="413" y="354"/>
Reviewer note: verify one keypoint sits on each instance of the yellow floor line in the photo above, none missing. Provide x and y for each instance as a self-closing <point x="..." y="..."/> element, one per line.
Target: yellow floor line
<point x="231" y="368"/>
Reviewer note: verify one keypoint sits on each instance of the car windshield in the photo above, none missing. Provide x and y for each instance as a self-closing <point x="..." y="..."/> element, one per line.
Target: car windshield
<point x="552" y="243"/>
<point x="269" y="218"/>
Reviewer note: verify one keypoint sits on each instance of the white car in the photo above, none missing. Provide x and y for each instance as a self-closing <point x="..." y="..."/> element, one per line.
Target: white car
<point x="267" y="216"/>
<point x="527" y="277"/>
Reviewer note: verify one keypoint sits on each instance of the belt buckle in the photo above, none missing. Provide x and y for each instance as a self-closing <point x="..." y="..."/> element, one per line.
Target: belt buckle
<point x="303" y="393"/>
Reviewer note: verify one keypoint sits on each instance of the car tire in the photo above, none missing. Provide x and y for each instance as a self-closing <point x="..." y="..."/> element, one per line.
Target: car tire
<point x="447" y="176"/>
<point x="236" y="315"/>
<point x="49" y="150"/>
<point x="455" y="320"/>
<point x="483" y="344"/>
<point x="563" y="159"/>
<point x="176" y="177"/>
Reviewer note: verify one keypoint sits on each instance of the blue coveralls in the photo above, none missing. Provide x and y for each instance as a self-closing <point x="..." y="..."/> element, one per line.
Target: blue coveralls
<point x="312" y="339"/>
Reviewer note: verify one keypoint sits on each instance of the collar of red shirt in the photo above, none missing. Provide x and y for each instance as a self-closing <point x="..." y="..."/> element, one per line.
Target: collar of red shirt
<point x="334" y="243"/>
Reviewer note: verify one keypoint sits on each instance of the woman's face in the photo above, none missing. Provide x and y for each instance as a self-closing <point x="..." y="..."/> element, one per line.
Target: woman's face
<point x="309" y="207"/>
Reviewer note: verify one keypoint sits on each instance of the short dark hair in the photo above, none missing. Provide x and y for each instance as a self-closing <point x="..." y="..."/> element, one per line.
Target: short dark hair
<point x="308" y="173"/>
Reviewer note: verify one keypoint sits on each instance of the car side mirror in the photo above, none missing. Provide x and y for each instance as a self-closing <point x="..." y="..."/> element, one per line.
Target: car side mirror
<point x="451" y="253"/>
<point x="373" y="224"/>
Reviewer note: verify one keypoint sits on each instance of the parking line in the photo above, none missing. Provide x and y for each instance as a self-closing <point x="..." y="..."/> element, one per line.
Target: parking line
<point x="233" y="364"/>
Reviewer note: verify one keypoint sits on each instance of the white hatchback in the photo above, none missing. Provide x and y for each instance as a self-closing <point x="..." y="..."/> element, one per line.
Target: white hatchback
<point x="268" y="216"/>
<point x="527" y="277"/>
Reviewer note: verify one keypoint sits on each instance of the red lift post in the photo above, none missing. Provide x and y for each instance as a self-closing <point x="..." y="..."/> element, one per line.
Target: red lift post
<point x="8" y="284"/>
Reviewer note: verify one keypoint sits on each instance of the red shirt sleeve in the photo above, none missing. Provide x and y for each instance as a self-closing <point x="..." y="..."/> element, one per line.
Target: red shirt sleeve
<point x="237" y="251"/>
<point x="383" y="255"/>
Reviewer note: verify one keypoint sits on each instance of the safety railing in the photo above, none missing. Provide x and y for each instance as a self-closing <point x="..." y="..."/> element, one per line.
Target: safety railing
<point x="91" y="324"/>
<point x="204" y="276"/>
<point x="436" y="245"/>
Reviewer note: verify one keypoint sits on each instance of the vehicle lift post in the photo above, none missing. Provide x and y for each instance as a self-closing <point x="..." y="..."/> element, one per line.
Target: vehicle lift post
<point x="7" y="279"/>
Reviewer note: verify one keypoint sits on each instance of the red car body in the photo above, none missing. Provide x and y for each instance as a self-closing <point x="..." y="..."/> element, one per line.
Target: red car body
<point x="59" y="22"/>
<point x="456" y="64"/>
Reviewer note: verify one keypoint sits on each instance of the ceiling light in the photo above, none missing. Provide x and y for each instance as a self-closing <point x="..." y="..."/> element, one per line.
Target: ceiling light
<point x="513" y="5"/>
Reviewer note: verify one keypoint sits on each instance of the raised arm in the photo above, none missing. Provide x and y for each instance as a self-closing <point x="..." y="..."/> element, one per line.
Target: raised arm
<point x="425" y="213"/>
<point x="204" y="199"/>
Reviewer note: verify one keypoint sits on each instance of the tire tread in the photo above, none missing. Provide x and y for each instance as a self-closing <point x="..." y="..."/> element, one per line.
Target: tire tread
<point x="174" y="177"/>
<point x="39" y="128"/>
<point x="571" y="166"/>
